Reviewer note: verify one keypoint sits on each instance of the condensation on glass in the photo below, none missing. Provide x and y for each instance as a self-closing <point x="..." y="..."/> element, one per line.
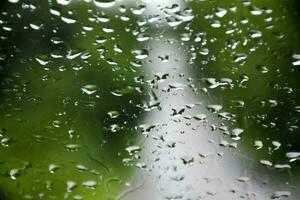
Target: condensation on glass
<point x="149" y="99"/>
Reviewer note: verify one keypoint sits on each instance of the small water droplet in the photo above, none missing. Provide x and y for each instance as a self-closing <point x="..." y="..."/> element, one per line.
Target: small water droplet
<point x="72" y="147"/>
<point x="89" y="89"/>
<point x="71" y="185"/>
<point x="113" y="114"/>
<point x="133" y="149"/>
<point x="90" y="184"/>
<point x="220" y="12"/>
<point x="14" y="173"/>
<point x="52" y="168"/>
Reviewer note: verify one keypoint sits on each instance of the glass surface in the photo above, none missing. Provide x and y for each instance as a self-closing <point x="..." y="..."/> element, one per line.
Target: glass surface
<point x="149" y="99"/>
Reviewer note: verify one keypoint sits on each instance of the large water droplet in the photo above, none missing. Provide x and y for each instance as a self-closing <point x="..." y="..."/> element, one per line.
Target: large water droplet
<point x="104" y="3"/>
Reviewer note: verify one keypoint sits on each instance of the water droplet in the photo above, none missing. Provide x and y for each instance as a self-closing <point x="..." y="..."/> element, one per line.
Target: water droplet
<point x="72" y="147"/>
<point x="276" y="145"/>
<point x="6" y="141"/>
<point x="36" y="25"/>
<point x="279" y="194"/>
<point x="104" y="3"/>
<point x="14" y="173"/>
<point x="214" y="108"/>
<point x="68" y="20"/>
<point x="42" y="59"/>
<point x="64" y="2"/>
<point x="13" y="1"/>
<point x="262" y="69"/>
<point x="216" y="24"/>
<point x="140" y="53"/>
<point x="113" y="114"/>
<point x="200" y="117"/>
<point x="90" y="184"/>
<point x="256" y="11"/>
<point x="52" y="168"/>
<point x="114" y="128"/>
<point x="296" y="58"/>
<point x="236" y="133"/>
<point x="266" y="163"/>
<point x="220" y="12"/>
<point x="187" y="161"/>
<point x="255" y="34"/>
<point x="258" y="144"/>
<point x="71" y="185"/>
<point x="89" y="89"/>
<point x="293" y="156"/>
<point x="133" y="149"/>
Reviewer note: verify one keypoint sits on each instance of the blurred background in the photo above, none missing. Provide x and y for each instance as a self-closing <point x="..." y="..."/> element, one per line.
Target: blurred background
<point x="147" y="99"/>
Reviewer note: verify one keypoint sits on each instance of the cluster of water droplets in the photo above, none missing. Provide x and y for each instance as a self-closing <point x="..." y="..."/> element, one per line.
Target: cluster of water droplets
<point x="148" y="100"/>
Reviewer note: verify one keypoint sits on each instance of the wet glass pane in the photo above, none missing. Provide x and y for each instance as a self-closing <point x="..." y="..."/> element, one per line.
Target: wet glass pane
<point x="149" y="99"/>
